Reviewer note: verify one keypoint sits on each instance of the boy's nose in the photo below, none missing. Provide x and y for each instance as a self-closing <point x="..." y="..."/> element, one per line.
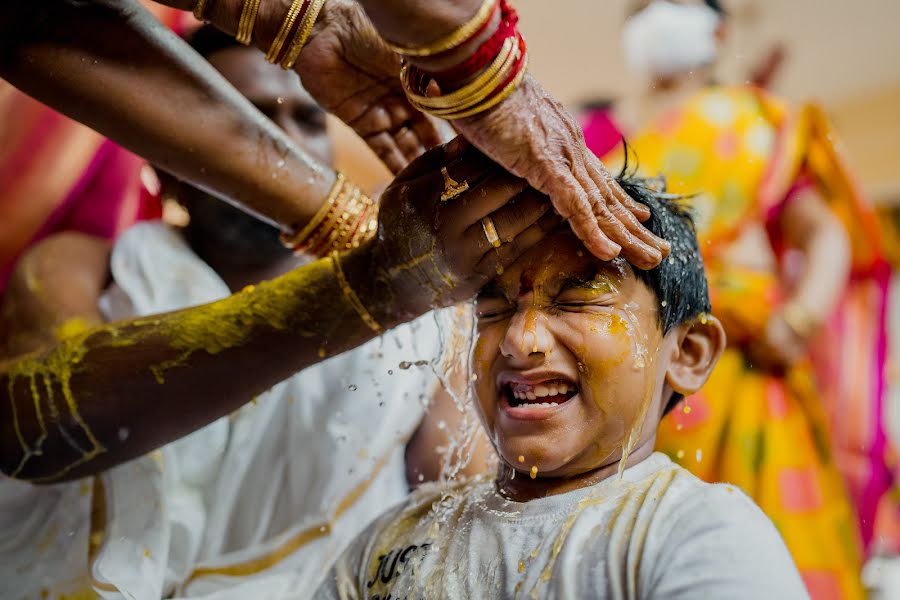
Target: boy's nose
<point x="527" y="338"/>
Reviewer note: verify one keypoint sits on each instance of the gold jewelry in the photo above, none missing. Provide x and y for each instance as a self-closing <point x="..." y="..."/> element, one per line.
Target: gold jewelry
<point x="455" y="38"/>
<point x="503" y="95"/>
<point x="199" y="7"/>
<point x="248" y="20"/>
<point x="351" y="296"/>
<point x="302" y="34"/>
<point x="490" y="232"/>
<point x="452" y="188"/>
<point x="470" y="92"/>
<point x="478" y="95"/>
<point x="798" y="319"/>
<point x="286" y="26"/>
<point x="292" y="240"/>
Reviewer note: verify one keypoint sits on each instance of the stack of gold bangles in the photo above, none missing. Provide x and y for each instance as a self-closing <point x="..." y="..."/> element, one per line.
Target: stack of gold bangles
<point x="345" y="220"/>
<point x="488" y="77"/>
<point x="296" y="27"/>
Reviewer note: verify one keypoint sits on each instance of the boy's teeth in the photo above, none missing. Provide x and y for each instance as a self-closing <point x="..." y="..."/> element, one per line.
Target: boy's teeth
<point x="531" y="395"/>
<point x="541" y="391"/>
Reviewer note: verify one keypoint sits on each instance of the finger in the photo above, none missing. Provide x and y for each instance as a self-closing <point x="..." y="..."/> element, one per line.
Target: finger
<point x="602" y="177"/>
<point x="481" y="200"/>
<point x="426" y="129"/>
<point x="648" y="244"/>
<point x="626" y="211"/>
<point x="494" y="262"/>
<point x="386" y="149"/>
<point x="577" y="210"/>
<point x="427" y="163"/>
<point x="408" y="143"/>
<point x="509" y="220"/>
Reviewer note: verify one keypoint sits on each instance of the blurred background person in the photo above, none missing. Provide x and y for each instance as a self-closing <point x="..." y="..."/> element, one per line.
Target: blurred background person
<point x="59" y="175"/>
<point x="797" y="276"/>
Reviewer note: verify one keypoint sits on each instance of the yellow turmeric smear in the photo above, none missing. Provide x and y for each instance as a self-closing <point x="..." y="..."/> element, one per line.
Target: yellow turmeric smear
<point x="58" y="365"/>
<point x="230" y="322"/>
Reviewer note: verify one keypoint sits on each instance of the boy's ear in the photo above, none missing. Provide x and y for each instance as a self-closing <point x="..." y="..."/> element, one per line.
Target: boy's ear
<point x="699" y="344"/>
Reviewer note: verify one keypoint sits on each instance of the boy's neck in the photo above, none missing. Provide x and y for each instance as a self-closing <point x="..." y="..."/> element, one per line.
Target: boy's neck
<point x="519" y="487"/>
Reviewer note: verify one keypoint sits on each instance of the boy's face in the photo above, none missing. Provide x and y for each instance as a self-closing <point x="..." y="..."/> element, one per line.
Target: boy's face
<point x="570" y="359"/>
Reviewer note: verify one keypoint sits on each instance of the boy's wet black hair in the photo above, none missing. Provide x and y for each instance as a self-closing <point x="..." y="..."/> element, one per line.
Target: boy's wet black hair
<point x="679" y="282"/>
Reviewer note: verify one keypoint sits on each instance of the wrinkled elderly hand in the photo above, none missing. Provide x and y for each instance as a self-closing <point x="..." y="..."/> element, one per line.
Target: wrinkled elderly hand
<point x="435" y="252"/>
<point x="348" y="69"/>
<point x="535" y="138"/>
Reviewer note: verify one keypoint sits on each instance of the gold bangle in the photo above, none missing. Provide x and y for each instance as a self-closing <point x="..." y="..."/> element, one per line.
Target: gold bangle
<point x="199" y="7"/>
<point x="296" y="239"/>
<point x="457" y="37"/>
<point x="327" y="237"/>
<point x="286" y="26"/>
<point x="491" y="103"/>
<point x="479" y="97"/>
<point x="345" y="216"/>
<point x="351" y="296"/>
<point x="302" y="35"/>
<point x="487" y="79"/>
<point x="248" y="20"/>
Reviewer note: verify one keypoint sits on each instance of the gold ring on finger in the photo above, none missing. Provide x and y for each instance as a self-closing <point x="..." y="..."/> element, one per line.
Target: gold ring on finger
<point x="490" y="232"/>
<point x="452" y="188"/>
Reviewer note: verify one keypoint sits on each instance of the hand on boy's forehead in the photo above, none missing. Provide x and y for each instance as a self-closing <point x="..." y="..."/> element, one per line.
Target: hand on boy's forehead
<point x="560" y="265"/>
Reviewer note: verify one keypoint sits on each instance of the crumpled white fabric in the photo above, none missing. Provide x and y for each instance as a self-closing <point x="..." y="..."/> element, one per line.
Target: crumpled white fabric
<point x="260" y="501"/>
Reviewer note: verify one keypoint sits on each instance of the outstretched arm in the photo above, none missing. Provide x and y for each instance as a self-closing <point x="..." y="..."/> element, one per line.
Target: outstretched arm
<point x="93" y="396"/>
<point x="112" y="66"/>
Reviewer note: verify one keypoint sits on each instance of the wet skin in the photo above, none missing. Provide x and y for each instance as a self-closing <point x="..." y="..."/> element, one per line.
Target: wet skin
<point x="585" y="335"/>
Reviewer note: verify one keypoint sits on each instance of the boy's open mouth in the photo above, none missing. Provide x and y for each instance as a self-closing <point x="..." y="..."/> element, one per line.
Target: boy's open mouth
<point x="546" y="394"/>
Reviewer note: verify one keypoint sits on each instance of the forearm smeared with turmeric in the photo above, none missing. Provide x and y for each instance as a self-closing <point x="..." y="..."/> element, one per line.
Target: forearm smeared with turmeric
<point x="78" y="408"/>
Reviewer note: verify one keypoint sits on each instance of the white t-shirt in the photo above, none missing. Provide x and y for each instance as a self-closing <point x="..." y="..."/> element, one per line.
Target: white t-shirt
<point x="659" y="533"/>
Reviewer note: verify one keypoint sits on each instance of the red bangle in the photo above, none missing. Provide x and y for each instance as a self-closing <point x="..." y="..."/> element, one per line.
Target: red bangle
<point x="485" y="53"/>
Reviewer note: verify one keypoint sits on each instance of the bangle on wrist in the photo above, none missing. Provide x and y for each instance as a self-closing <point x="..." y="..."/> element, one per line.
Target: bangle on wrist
<point x="459" y="36"/>
<point x="345" y="220"/>
<point x="489" y="76"/>
<point x="248" y="20"/>
<point x="305" y="21"/>
<point x="284" y="31"/>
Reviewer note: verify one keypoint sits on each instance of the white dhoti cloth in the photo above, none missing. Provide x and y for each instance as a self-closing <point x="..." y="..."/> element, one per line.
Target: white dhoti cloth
<point x="255" y="505"/>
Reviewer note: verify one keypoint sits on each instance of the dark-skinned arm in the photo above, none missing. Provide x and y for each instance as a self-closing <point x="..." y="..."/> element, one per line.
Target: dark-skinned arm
<point x="113" y="66"/>
<point x="95" y="396"/>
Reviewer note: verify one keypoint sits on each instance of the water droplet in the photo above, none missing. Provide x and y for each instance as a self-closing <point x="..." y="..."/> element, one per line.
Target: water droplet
<point x="521" y="458"/>
<point x="533" y="472"/>
<point x="405" y="365"/>
<point x="699" y="455"/>
<point x="352" y="387"/>
<point x="279" y="100"/>
<point x="280" y="163"/>
<point x="390" y="371"/>
<point x="123" y="434"/>
<point x="680" y="454"/>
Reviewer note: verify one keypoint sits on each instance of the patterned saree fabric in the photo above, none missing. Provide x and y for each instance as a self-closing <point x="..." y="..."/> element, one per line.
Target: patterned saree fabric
<point x="808" y="445"/>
